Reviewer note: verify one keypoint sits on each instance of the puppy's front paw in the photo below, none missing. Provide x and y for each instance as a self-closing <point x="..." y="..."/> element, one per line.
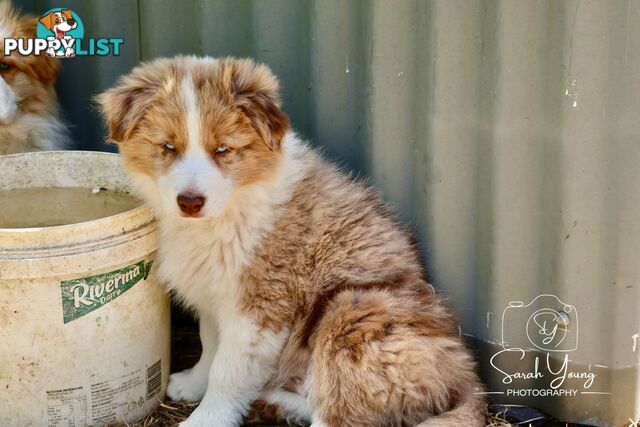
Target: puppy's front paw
<point x="187" y="385"/>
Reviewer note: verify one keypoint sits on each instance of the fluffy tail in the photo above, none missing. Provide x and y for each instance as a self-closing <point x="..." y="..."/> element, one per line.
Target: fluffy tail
<point x="469" y="412"/>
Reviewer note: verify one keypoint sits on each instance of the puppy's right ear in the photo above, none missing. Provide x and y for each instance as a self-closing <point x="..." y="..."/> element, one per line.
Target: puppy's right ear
<point x="125" y="104"/>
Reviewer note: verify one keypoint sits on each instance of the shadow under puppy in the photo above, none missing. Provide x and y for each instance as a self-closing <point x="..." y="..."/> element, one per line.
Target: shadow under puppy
<point x="309" y="293"/>
<point x="29" y="109"/>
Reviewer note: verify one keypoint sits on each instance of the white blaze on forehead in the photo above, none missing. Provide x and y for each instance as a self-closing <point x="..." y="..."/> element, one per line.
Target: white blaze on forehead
<point x="190" y="99"/>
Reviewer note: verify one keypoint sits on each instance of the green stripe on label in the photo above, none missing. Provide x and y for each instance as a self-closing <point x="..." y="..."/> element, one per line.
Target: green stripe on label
<point x="82" y="296"/>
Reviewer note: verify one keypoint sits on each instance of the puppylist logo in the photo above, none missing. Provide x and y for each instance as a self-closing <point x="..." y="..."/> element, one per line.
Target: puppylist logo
<point x="551" y="329"/>
<point x="60" y="33"/>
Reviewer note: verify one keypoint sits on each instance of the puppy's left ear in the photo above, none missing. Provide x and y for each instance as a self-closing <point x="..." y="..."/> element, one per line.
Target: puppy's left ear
<point x="123" y="106"/>
<point x="126" y="104"/>
<point x="256" y="92"/>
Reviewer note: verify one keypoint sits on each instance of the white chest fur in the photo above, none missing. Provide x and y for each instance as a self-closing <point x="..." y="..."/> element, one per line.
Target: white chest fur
<point x="202" y="261"/>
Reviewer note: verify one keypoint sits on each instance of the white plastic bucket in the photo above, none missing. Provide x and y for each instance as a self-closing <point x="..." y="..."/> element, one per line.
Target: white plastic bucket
<point x="84" y="327"/>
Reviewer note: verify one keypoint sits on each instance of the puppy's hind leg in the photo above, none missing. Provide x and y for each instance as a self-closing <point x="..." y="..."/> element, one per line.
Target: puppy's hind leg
<point x="191" y="384"/>
<point x="379" y="360"/>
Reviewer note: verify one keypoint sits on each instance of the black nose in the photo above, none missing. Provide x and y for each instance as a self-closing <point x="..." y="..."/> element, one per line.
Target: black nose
<point x="71" y="21"/>
<point x="190" y="204"/>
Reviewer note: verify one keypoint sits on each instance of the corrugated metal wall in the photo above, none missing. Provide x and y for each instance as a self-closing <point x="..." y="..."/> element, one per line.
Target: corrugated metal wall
<point x="507" y="132"/>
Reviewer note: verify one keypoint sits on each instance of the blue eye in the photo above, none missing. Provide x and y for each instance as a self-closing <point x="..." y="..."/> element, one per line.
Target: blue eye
<point x="222" y="149"/>
<point x="169" y="147"/>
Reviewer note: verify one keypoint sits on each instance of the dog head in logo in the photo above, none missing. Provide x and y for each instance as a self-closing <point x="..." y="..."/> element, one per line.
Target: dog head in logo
<point x="59" y="22"/>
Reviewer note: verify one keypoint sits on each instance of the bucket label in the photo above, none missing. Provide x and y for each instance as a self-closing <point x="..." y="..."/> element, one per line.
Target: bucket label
<point x="121" y="395"/>
<point x="67" y="407"/>
<point x="82" y="296"/>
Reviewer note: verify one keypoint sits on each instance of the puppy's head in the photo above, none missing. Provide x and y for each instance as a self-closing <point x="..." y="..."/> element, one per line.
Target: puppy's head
<point x="194" y="132"/>
<point x="26" y="83"/>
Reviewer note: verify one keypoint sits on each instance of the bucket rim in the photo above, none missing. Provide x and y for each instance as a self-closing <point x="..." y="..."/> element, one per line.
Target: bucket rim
<point x="29" y="241"/>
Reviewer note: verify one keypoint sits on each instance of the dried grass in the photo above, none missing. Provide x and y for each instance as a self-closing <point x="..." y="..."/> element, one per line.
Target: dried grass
<point x="496" y="419"/>
<point x="170" y="414"/>
<point x="167" y="414"/>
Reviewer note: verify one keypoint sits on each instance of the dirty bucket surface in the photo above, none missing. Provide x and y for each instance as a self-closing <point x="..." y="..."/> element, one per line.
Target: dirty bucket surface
<point x="88" y="323"/>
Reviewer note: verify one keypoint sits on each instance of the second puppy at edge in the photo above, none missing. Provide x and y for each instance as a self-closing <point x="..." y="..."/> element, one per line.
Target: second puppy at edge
<point x="29" y="110"/>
